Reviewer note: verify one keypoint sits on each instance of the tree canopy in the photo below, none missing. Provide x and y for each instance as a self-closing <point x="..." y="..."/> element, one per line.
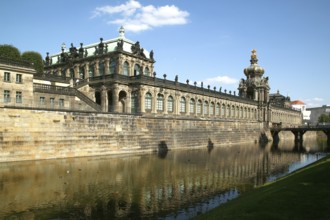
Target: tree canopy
<point x="324" y="118"/>
<point x="35" y="58"/>
<point x="10" y="52"/>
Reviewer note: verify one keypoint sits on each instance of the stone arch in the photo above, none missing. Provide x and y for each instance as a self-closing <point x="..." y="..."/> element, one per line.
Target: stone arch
<point x="122" y="97"/>
<point x="147" y="71"/>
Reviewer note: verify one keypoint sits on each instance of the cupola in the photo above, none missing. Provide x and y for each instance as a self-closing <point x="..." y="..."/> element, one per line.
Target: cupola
<point x="254" y="70"/>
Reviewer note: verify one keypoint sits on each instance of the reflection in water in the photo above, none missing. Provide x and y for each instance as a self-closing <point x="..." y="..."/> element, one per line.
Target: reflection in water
<point x="178" y="185"/>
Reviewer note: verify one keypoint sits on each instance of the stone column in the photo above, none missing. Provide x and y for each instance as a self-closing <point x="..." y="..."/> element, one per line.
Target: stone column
<point x="104" y="99"/>
<point x="96" y="68"/>
<point x="177" y="104"/>
<point x="115" y="97"/>
<point x="107" y="66"/>
<point x="86" y="70"/>
<point x="129" y="101"/>
<point x="165" y="103"/>
<point x="76" y="71"/>
<point x="187" y="105"/>
<point x="154" y="103"/>
<point x="141" y="100"/>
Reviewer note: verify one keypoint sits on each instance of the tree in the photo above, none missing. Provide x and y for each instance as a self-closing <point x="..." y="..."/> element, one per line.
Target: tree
<point x="36" y="59"/>
<point x="10" y="52"/>
<point x="324" y="118"/>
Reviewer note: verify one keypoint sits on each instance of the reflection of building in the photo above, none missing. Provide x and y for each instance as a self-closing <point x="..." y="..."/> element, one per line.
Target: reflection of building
<point x="301" y="106"/>
<point x="118" y="76"/>
<point x="317" y="112"/>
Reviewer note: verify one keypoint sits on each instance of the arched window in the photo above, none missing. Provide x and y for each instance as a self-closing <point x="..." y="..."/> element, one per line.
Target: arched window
<point x="134" y="102"/>
<point x="199" y="107"/>
<point x="245" y="113"/>
<point x="212" y="108"/>
<point x="233" y="111"/>
<point x="147" y="71"/>
<point x="101" y="69"/>
<point x="170" y="102"/>
<point x="237" y="112"/>
<point x="249" y="113"/>
<point x="160" y="102"/>
<point x="217" y="109"/>
<point x="112" y="67"/>
<point x="192" y="106"/>
<point x="182" y="105"/>
<point x="241" y="112"/>
<point x="137" y="70"/>
<point x="206" y="108"/>
<point x="228" y="111"/>
<point x="71" y="73"/>
<point x="148" y="101"/>
<point x="223" y="111"/>
<point x="126" y="68"/>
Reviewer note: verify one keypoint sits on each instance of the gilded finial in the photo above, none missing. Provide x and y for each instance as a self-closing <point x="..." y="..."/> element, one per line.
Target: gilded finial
<point x="254" y="54"/>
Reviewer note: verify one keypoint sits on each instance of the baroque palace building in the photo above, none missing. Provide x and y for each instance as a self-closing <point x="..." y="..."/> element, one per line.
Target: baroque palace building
<point x="117" y="76"/>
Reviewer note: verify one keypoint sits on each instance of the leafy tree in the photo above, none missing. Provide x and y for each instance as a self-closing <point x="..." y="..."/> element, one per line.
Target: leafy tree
<point x="324" y="118"/>
<point x="10" y="52"/>
<point x="36" y="59"/>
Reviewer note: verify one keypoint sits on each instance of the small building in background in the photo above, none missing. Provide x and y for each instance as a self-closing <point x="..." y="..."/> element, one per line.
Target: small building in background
<point x="301" y="106"/>
<point x="316" y="112"/>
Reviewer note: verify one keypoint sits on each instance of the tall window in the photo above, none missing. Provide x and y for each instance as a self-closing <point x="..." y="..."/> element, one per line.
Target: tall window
<point x="101" y="69"/>
<point x="137" y="70"/>
<point x="160" y="102"/>
<point x="170" y="102"/>
<point x="233" y="111"/>
<point x="18" y="78"/>
<point x="6" y="96"/>
<point x="148" y="101"/>
<point x="217" y="109"/>
<point x="42" y="101"/>
<point x="146" y="71"/>
<point x="241" y="112"/>
<point x="134" y="102"/>
<point x="199" y="107"/>
<point x="6" y="77"/>
<point x="212" y="108"/>
<point x="91" y="70"/>
<point x="182" y="105"/>
<point x="112" y="67"/>
<point x="18" y="97"/>
<point x="192" y="106"/>
<point x="61" y="102"/>
<point x="223" y="110"/>
<point x="71" y="73"/>
<point x="206" y="108"/>
<point x="52" y="102"/>
<point x="82" y="72"/>
<point x="125" y="68"/>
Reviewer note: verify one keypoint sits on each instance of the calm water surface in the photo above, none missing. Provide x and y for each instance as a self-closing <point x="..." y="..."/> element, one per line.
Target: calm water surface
<point x="177" y="185"/>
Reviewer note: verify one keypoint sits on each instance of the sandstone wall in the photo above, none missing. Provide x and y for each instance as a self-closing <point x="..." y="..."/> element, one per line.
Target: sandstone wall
<point x="34" y="134"/>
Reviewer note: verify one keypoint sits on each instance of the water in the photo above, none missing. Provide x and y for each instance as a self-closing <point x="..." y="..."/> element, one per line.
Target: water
<point x="177" y="185"/>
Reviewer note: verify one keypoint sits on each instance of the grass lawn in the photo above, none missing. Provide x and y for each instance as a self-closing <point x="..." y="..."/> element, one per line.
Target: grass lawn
<point x="304" y="194"/>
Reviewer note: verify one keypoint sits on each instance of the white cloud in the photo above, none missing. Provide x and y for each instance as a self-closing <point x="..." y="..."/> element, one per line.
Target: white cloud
<point x="135" y="17"/>
<point x="314" y="102"/>
<point x="220" y="80"/>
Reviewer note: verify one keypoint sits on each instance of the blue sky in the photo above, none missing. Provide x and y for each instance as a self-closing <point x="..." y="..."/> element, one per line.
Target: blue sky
<point x="207" y="41"/>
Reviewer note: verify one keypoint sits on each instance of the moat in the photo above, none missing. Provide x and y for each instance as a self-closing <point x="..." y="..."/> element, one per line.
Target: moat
<point x="176" y="185"/>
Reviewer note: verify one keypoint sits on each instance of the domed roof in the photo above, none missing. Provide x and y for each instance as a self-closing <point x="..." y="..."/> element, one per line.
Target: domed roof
<point x="254" y="70"/>
<point x="297" y="102"/>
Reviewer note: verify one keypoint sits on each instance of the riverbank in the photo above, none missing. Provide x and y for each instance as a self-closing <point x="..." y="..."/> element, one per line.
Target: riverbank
<point x="304" y="194"/>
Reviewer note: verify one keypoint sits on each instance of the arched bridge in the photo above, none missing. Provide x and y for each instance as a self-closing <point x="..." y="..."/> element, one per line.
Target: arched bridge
<point x="300" y="131"/>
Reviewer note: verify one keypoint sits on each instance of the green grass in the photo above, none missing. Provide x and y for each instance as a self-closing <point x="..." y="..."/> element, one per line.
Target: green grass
<point x="304" y="194"/>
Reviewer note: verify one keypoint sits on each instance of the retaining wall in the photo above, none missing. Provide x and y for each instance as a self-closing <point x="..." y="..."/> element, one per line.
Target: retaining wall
<point x="34" y="134"/>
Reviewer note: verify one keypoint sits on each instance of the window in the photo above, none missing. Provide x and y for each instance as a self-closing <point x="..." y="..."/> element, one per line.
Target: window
<point x="61" y="102"/>
<point x="71" y="73"/>
<point x="192" y="106"/>
<point x="160" y="102"/>
<point x="170" y="102"/>
<point x="182" y="105"/>
<point x="6" y="96"/>
<point x="18" y="97"/>
<point x="101" y="69"/>
<point x="82" y="72"/>
<point x="18" y="78"/>
<point x="217" y="109"/>
<point x="206" y="108"/>
<point x="125" y="68"/>
<point x="52" y="102"/>
<point x="91" y="70"/>
<point x="212" y="108"/>
<point x="63" y="72"/>
<point x="113" y="67"/>
<point x="199" y="107"/>
<point x="137" y="70"/>
<point x="6" y="77"/>
<point x="223" y="110"/>
<point x="147" y="72"/>
<point x="42" y="100"/>
<point x="148" y="101"/>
